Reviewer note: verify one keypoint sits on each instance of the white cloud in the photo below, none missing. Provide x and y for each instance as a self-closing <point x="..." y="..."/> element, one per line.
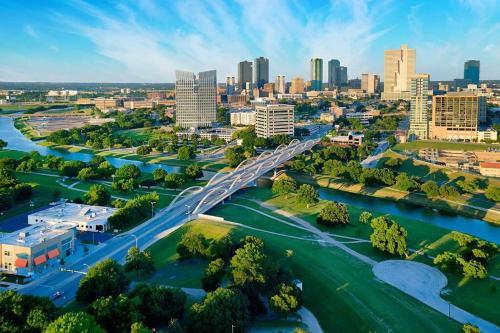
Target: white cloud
<point x="30" y="31"/>
<point x="54" y="48"/>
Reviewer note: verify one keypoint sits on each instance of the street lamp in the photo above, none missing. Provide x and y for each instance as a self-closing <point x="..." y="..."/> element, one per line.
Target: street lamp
<point x="32" y="204"/>
<point x="113" y="176"/>
<point x="135" y="237"/>
<point x="188" y="210"/>
<point x="152" y="208"/>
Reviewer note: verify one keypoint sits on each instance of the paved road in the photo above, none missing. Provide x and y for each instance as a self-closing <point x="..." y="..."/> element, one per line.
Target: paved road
<point x="166" y="221"/>
<point x="372" y="160"/>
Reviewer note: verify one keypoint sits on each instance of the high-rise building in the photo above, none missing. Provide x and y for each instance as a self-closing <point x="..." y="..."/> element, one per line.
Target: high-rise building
<point x="399" y="66"/>
<point x="274" y="119"/>
<point x="280" y="84"/>
<point x="195" y="99"/>
<point x="333" y="73"/>
<point x="456" y="116"/>
<point x="370" y="82"/>
<point x="244" y="74"/>
<point x="230" y="85"/>
<point x="419" y="112"/>
<point x="316" y="74"/>
<point x="471" y="71"/>
<point x="297" y="85"/>
<point x="343" y="75"/>
<point x="260" y="72"/>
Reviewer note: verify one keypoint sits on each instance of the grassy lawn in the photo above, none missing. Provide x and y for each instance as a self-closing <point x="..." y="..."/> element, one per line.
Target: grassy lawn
<point x="25" y="107"/>
<point x="416" y="145"/>
<point x="135" y="134"/>
<point x="26" y="129"/>
<point x="338" y="289"/>
<point x="473" y="295"/>
<point x="16" y="154"/>
<point x="67" y="148"/>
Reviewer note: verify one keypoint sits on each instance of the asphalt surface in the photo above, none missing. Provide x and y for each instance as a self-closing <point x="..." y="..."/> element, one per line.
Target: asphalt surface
<point x="165" y="221"/>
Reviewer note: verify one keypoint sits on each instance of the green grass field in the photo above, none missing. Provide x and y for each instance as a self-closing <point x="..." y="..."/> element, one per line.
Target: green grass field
<point x="16" y="154"/>
<point x="416" y="145"/>
<point x="338" y="289"/>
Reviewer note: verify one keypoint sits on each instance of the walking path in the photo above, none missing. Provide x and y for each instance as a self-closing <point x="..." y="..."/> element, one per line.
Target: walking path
<point x="418" y="280"/>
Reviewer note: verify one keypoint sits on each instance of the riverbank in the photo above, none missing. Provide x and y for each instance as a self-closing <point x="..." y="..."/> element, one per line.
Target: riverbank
<point x="491" y="214"/>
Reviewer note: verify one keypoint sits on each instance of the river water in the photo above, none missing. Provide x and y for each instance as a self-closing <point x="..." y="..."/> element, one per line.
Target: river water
<point x="17" y="141"/>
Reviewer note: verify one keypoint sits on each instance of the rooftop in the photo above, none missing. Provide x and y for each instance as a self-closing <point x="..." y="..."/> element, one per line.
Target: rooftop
<point x="490" y="165"/>
<point x="71" y="212"/>
<point x="36" y="234"/>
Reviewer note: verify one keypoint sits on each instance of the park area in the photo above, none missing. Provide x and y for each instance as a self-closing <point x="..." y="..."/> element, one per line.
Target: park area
<point x="351" y="298"/>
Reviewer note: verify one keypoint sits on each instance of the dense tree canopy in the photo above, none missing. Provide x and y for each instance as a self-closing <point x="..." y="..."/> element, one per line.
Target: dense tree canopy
<point x="74" y="322"/>
<point x="286" y="299"/>
<point x="307" y="194"/>
<point x="284" y="185"/>
<point x="334" y="213"/>
<point x="97" y="195"/>
<point x="388" y="236"/>
<point x="213" y="275"/>
<point x="139" y="261"/>
<point x="234" y="156"/>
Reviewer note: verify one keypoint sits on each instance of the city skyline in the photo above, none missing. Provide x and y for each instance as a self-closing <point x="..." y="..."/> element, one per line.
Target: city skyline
<point x="147" y="41"/>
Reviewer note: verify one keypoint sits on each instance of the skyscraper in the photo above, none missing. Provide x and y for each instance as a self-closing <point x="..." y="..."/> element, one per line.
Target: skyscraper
<point x="316" y="74"/>
<point x="343" y="75"/>
<point x="471" y="71"/>
<point x="297" y="85"/>
<point x="260" y="72"/>
<point x="333" y="73"/>
<point x="244" y="74"/>
<point x="230" y="85"/>
<point x="419" y="113"/>
<point x="370" y="82"/>
<point x="399" y="66"/>
<point x="195" y="99"/>
<point x="280" y="84"/>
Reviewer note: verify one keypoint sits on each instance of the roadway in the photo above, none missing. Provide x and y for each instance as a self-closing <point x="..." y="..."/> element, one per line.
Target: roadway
<point x="186" y="206"/>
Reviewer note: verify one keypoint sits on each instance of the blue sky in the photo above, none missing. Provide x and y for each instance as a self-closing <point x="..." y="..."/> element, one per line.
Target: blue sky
<point x="146" y="40"/>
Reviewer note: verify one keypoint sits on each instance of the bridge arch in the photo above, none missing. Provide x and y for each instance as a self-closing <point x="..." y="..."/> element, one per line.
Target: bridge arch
<point x="244" y="163"/>
<point x="215" y="178"/>
<point x="294" y="141"/>
<point x="279" y="173"/>
<point x="181" y="194"/>
<point x="280" y="148"/>
<point x="265" y="154"/>
<point x="209" y="194"/>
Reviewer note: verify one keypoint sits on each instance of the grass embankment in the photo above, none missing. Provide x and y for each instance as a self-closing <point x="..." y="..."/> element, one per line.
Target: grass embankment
<point x="26" y="129"/>
<point x="477" y="296"/>
<point x="21" y="107"/>
<point x="421" y="144"/>
<point x="340" y="290"/>
<point x="67" y="148"/>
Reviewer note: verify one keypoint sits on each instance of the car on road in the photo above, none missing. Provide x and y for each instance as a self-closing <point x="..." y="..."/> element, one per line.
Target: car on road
<point x="58" y="294"/>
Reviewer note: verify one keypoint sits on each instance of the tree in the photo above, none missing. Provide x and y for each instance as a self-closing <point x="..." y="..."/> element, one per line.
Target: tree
<point x="143" y="150"/>
<point x="106" y="278"/>
<point x="87" y="174"/>
<point x="474" y="269"/>
<point x="121" y="309"/>
<point x="469" y="328"/>
<point x="365" y="217"/>
<point x="71" y="168"/>
<point x="74" y="322"/>
<point x="25" y="313"/>
<point x="447" y="191"/>
<point x="148" y="182"/>
<point x="186" y="153"/>
<point x="249" y="264"/>
<point x="234" y="156"/>
<point x="406" y="183"/>
<point x="128" y="171"/>
<point x="393" y="163"/>
<point x="193" y="171"/>
<point x="213" y="275"/>
<point x="124" y="185"/>
<point x="159" y="175"/>
<point x="354" y="170"/>
<point x="174" y="180"/>
<point x="139" y="328"/>
<point x="286" y="299"/>
<point x="3" y="144"/>
<point x="105" y="169"/>
<point x="334" y="168"/>
<point x="97" y="195"/>
<point x="430" y="188"/>
<point x="307" y="194"/>
<point x="220" y="311"/>
<point x="192" y="245"/>
<point x="493" y="193"/>
<point x="139" y="261"/>
<point x="468" y="186"/>
<point x="159" y="304"/>
<point x="284" y="185"/>
<point x="334" y="213"/>
<point x="388" y="236"/>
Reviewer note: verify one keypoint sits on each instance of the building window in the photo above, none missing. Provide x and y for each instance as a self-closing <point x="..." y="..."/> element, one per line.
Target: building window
<point x="6" y="253"/>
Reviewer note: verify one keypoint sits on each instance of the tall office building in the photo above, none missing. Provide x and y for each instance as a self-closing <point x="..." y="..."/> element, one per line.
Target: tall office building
<point x="260" y="72"/>
<point x="244" y="74"/>
<point x="471" y="71"/>
<point x="333" y="73"/>
<point x="230" y="85"/>
<point x="274" y="119"/>
<point x="316" y="74"/>
<point x="370" y="82"/>
<point x="297" y="86"/>
<point x="419" y="112"/>
<point x="195" y="99"/>
<point x="343" y="75"/>
<point x="399" y="66"/>
<point x="456" y="116"/>
<point x="280" y="84"/>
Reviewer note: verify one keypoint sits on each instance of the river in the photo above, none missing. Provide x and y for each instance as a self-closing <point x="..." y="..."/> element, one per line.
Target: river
<point x="468" y="225"/>
<point x="17" y="141"/>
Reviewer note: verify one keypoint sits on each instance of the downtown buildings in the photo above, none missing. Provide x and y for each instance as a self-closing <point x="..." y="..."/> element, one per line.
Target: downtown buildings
<point x="316" y="74"/>
<point x="471" y="71"/>
<point x="399" y="66"/>
<point x="370" y="83"/>
<point x="196" y="99"/>
<point x="244" y="74"/>
<point x="274" y="119"/>
<point x="260" y="72"/>
<point x="280" y="84"/>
